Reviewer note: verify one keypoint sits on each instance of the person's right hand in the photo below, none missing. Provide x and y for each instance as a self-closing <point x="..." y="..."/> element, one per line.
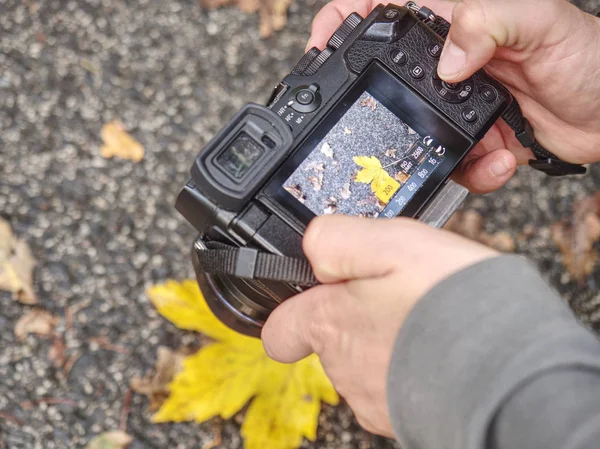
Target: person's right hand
<point x="545" y="51"/>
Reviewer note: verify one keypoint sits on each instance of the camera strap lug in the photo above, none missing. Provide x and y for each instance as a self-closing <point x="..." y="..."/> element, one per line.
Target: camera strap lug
<point x="544" y="161"/>
<point x="247" y="263"/>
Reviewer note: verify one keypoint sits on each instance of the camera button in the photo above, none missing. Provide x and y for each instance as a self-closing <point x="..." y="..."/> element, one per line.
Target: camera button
<point x="305" y="97"/>
<point x="451" y="86"/>
<point x="488" y="93"/>
<point x="399" y="56"/>
<point x="465" y="92"/>
<point x="435" y="50"/>
<point x="417" y="72"/>
<point x="469" y="115"/>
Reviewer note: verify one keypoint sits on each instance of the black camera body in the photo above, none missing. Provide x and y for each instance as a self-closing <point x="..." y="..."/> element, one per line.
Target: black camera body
<point x="364" y="127"/>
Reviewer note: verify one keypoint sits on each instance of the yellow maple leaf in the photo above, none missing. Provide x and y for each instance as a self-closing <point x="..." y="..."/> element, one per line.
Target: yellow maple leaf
<point x="382" y="184"/>
<point x="118" y="143"/>
<point x="223" y="376"/>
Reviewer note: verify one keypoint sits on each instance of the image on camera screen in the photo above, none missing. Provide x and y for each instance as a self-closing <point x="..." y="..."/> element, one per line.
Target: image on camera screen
<point x="369" y="159"/>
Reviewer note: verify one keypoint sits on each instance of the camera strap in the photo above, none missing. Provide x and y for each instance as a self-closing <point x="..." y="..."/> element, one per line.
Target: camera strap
<point x="544" y="161"/>
<point x="249" y="263"/>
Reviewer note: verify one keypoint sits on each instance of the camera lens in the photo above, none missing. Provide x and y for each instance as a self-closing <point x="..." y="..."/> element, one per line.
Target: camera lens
<point x="242" y="304"/>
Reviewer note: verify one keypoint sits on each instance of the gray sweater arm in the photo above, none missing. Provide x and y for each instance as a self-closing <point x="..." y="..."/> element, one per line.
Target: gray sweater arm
<point x="481" y="352"/>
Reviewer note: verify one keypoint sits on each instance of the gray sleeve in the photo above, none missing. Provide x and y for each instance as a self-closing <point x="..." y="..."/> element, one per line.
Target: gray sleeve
<point x="492" y="358"/>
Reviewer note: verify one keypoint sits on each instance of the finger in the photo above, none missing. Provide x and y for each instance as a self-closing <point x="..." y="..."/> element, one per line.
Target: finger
<point x="344" y="248"/>
<point x="290" y="334"/>
<point x="487" y="173"/>
<point x="331" y="17"/>
<point x="479" y="27"/>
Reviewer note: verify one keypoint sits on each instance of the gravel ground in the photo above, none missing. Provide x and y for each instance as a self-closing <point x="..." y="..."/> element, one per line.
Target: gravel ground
<point x="104" y="230"/>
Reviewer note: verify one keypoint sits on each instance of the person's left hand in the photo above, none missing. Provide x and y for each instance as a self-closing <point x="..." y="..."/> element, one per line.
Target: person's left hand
<point x="373" y="272"/>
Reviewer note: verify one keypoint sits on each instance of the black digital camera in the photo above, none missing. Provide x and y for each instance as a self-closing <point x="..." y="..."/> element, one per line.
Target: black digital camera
<point x="364" y="127"/>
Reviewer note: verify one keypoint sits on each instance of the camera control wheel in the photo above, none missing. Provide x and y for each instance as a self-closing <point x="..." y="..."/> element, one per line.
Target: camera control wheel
<point x="344" y="30"/>
<point x="453" y="92"/>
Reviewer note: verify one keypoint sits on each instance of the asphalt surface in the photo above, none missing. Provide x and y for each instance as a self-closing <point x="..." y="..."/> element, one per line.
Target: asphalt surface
<point x="102" y="231"/>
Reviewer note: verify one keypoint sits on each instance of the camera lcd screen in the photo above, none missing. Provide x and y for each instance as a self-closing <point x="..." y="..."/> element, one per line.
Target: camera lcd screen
<point x="239" y="155"/>
<point x="368" y="159"/>
<point x="382" y="151"/>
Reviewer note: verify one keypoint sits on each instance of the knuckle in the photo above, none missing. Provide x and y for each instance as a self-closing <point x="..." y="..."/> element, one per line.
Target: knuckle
<point x="468" y="16"/>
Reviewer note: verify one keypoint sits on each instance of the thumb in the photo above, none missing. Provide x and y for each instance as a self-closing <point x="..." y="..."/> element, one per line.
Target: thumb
<point x="293" y="329"/>
<point x="480" y="27"/>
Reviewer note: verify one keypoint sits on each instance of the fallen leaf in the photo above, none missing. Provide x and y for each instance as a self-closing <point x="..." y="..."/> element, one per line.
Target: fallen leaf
<point x="391" y="152"/>
<point x="401" y="177"/>
<point x="273" y="13"/>
<point x="316" y="182"/>
<point x="154" y="386"/>
<point x="37" y="321"/>
<point x="120" y="144"/>
<point x="331" y="206"/>
<point x="347" y="131"/>
<point x="470" y="224"/>
<point x="466" y="223"/>
<point x="577" y="236"/>
<point x="223" y="376"/>
<point x="317" y="166"/>
<point x="369" y="102"/>
<point x="326" y="150"/>
<point x="382" y="184"/>
<point x="345" y="191"/>
<point x="372" y="172"/>
<point x="16" y="266"/>
<point x="296" y="192"/>
<point x="110" y="440"/>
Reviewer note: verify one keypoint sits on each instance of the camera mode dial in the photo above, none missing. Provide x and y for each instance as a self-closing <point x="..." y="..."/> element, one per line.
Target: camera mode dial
<point x="340" y="35"/>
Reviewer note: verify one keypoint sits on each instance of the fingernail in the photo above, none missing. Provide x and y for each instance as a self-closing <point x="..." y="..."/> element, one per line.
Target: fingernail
<point x="500" y="167"/>
<point x="452" y="61"/>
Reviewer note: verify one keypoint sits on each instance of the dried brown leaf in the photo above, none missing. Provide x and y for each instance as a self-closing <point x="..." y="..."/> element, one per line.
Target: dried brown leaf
<point x="345" y="191"/>
<point x="120" y="144"/>
<point x="317" y="166"/>
<point x="369" y="102"/>
<point x="154" y="386"/>
<point x="316" y="182"/>
<point x="37" y="321"/>
<point x="16" y="266"/>
<point x="577" y="236"/>
<point x="296" y="192"/>
<point x="401" y="177"/>
<point x="110" y="440"/>
<point x="331" y="206"/>
<point x="470" y="224"/>
<point x="391" y="152"/>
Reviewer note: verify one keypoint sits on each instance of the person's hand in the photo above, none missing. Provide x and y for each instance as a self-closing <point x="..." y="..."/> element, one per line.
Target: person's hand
<point x="545" y="51"/>
<point x="372" y="272"/>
